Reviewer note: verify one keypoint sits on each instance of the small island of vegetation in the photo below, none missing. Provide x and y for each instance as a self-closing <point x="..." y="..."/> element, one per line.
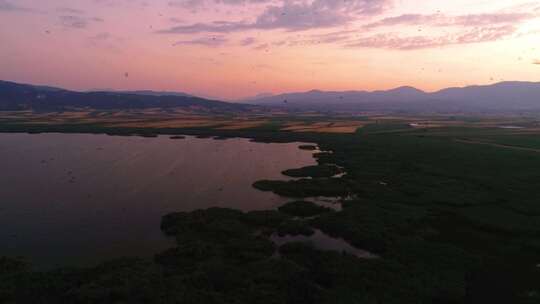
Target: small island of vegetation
<point x="308" y="147"/>
<point x="177" y="137"/>
<point x="325" y="170"/>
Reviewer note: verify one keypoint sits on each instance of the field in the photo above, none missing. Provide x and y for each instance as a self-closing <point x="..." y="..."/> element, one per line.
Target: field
<point x="299" y="122"/>
<point x="450" y="205"/>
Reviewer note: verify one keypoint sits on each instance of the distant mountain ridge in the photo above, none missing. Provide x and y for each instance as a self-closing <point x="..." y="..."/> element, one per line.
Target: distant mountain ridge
<point x="15" y="96"/>
<point x="500" y="97"/>
<point x="146" y="92"/>
<point x="504" y="96"/>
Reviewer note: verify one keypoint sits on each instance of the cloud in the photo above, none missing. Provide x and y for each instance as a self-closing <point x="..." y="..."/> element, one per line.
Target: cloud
<point x="73" y="21"/>
<point x="248" y="41"/>
<point x="77" y="22"/>
<point x="175" y="20"/>
<point x="214" y="27"/>
<point x="439" y="20"/>
<point x="460" y="29"/>
<point x="394" y="41"/>
<point x="206" y="41"/>
<point x="194" y="4"/>
<point x="107" y="41"/>
<point x="187" y="4"/>
<point x="333" y="36"/>
<point x="400" y="32"/>
<point x="537" y="62"/>
<point x="290" y="15"/>
<point x="101" y="36"/>
<point x="7" y="6"/>
<point x="261" y="47"/>
<point x="69" y="10"/>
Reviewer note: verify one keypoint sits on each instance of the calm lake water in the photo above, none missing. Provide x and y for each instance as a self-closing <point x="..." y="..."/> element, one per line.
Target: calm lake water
<point x="73" y="199"/>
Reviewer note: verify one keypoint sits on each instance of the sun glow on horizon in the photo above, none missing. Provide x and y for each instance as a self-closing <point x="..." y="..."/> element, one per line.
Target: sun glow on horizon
<point x="232" y="50"/>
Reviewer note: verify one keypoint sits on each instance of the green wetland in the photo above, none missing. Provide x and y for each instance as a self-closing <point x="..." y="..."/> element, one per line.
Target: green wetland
<point x="442" y="218"/>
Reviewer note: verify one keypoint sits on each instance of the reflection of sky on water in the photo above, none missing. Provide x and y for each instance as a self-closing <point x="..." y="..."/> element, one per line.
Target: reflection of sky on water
<point x="80" y="198"/>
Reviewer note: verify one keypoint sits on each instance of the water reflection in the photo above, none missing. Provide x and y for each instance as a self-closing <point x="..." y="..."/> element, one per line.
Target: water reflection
<point x="323" y="241"/>
<point x="333" y="203"/>
<point x="73" y="198"/>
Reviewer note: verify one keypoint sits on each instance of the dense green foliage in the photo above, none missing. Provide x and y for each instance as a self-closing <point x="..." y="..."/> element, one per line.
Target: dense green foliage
<point x="178" y="137"/>
<point x="308" y="147"/>
<point x="314" y="171"/>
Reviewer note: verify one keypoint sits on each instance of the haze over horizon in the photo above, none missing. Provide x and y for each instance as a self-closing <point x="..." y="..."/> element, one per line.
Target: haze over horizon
<point x="232" y="49"/>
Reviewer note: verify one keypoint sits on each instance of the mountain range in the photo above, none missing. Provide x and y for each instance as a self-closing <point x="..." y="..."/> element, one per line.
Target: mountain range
<point x="145" y="92"/>
<point x="499" y="97"/>
<point x="15" y="96"/>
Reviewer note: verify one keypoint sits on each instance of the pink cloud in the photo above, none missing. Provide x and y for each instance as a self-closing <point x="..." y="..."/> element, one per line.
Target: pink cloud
<point x="439" y="20"/>
<point x="393" y="41"/>
<point x="290" y="16"/>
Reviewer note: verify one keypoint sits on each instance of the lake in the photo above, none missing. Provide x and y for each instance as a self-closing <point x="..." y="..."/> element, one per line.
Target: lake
<point x="77" y="199"/>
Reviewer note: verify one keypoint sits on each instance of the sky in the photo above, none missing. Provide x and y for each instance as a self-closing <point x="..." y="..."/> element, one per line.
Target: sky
<point x="235" y="49"/>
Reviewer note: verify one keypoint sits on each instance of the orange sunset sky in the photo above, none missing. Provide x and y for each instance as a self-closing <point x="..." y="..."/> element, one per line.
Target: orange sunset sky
<point x="233" y="49"/>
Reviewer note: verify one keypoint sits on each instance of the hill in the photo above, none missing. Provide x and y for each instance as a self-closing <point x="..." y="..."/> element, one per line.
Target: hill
<point x="15" y="96"/>
<point x="500" y="97"/>
<point x="154" y="93"/>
